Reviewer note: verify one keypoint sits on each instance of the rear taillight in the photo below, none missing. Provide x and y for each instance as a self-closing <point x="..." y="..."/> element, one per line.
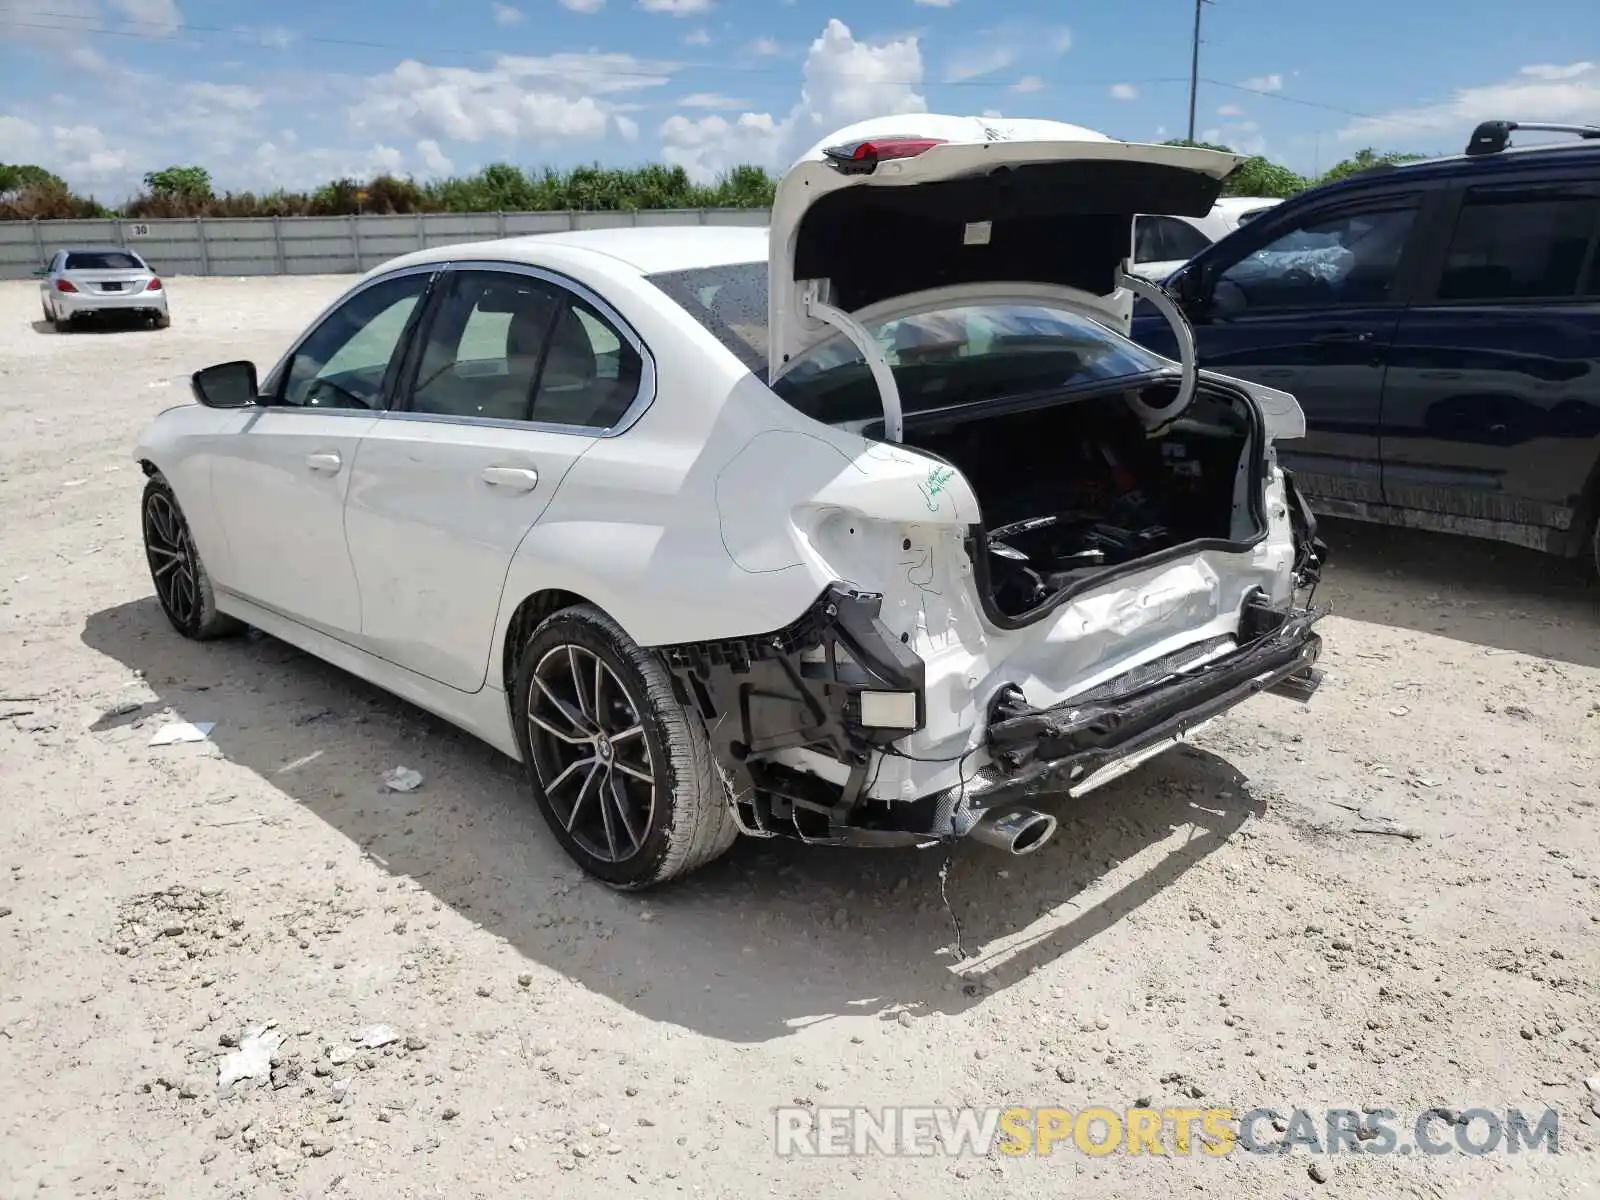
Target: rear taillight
<point x="65" y="285"/>
<point x="153" y="286"/>
<point x="862" y="158"/>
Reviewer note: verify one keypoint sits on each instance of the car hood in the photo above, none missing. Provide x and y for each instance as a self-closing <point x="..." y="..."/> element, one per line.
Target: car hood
<point x="989" y="201"/>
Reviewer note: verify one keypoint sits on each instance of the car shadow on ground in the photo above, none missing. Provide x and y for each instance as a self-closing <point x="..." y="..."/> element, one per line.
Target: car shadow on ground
<point x="101" y="325"/>
<point x="774" y="937"/>
<point x="1470" y="589"/>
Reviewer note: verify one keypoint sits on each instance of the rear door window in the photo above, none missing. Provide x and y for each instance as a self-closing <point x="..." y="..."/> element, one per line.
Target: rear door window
<point x="1521" y="243"/>
<point x="1166" y="239"/>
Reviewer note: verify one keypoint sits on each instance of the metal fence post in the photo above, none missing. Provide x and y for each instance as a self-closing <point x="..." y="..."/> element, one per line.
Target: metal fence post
<point x="422" y="232"/>
<point x="277" y="247"/>
<point x="205" y="253"/>
<point x="38" y="240"/>
<point x="500" y="225"/>
<point x="355" y="239"/>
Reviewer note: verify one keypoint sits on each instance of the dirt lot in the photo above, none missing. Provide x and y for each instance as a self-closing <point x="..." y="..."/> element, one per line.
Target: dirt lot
<point x="1212" y="931"/>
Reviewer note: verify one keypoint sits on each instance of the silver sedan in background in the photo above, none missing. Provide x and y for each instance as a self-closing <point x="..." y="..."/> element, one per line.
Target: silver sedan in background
<point x="84" y="281"/>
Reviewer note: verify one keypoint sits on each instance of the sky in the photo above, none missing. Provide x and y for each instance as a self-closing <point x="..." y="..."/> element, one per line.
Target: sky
<point x="290" y="93"/>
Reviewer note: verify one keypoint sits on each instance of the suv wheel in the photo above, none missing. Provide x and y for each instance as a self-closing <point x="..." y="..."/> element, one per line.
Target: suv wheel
<point x="622" y="772"/>
<point x="180" y="578"/>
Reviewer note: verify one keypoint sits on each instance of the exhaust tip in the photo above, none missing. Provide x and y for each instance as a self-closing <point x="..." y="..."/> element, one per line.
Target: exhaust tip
<point x="1017" y="831"/>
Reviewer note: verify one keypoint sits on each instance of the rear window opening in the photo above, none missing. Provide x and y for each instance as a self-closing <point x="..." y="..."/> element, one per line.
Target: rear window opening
<point x="102" y="260"/>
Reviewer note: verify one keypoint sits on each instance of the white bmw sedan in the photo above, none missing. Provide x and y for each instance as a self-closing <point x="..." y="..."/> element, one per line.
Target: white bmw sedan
<point x="870" y="529"/>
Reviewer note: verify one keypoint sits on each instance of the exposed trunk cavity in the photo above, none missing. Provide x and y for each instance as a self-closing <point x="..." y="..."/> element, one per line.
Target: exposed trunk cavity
<point x="1086" y="486"/>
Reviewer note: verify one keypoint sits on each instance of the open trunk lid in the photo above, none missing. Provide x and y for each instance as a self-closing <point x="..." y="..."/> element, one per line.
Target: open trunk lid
<point x="899" y="205"/>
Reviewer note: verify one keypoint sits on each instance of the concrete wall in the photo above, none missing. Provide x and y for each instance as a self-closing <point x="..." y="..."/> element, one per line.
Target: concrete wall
<point x="312" y="245"/>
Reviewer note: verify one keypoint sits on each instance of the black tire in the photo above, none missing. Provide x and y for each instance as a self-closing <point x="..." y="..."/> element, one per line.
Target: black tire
<point x="63" y="324"/>
<point x="162" y="320"/>
<point x="688" y="820"/>
<point x="180" y="579"/>
<point x="1594" y="551"/>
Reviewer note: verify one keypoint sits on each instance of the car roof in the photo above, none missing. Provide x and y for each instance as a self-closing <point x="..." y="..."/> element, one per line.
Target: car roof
<point x="1542" y="154"/>
<point x="105" y="249"/>
<point x="649" y="250"/>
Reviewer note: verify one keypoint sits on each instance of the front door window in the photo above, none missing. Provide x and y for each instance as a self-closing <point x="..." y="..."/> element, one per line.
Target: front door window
<point x="1351" y="258"/>
<point x="343" y="363"/>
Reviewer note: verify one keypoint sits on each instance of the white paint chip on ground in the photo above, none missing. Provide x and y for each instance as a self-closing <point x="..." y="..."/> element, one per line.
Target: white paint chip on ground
<point x="376" y="1037"/>
<point x="403" y="779"/>
<point x="183" y="731"/>
<point x="252" y="1060"/>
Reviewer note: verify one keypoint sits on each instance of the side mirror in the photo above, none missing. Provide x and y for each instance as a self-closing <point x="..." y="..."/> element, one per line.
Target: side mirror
<point x="226" y="385"/>
<point x="41" y="272"/>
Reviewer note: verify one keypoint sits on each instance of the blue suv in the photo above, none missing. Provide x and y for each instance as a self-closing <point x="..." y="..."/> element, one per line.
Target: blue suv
<point x="1439" y="323"/>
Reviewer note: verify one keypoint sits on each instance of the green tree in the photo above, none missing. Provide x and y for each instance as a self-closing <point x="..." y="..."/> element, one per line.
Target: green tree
<point x="1366" y="159"/>
<point x="190" y="184"/>
<point x="14" y="177"/>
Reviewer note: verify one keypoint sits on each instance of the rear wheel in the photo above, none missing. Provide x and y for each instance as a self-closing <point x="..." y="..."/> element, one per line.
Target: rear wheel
<point x="180" y="578"/>
<point x="161" y="320"/>
<point x="622" y="772"/>
<point x="63" y="324"/>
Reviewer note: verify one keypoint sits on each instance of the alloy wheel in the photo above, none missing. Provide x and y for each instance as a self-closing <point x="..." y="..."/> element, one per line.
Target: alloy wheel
<point x="590" y="752"/>
<point x="170" y="550"/>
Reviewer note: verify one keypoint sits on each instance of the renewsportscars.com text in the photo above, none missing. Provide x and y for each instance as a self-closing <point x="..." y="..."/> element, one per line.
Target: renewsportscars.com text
<point x="1099" y="1131"/>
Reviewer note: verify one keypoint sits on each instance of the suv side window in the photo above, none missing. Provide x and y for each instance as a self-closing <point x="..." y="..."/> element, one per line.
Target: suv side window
<point x="342" y="364"/>
<point x="1349" y="257"/>
<point x="1520" y="243"/>
<point x="1166" y="239"/>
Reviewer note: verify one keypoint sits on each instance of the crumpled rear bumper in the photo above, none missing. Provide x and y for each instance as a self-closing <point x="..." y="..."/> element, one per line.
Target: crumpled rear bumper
<point x="1082" y="743"/>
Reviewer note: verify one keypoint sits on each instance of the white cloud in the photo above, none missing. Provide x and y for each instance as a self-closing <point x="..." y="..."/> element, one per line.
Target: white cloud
<point x="970" y="64"/>
<point x="1124" y="91"/>
<point x="533" y="99"/>
<point x="998" y="48"/>
<point x="628" y="128"/>
<point x="698" y="37"/>
<point x="505" y="14"/>
<point x="1263" y="83"/>
<point x="1543" y="92"/>
<point x="764" y="47"/>
<point x="843" y="81"/>
<point x="1552" y="71"/>
<point x="711" y="100"/>
<point x="1230" y="110"/>
<point x="276" y="37"/>
<point x="82" y="154"/>
<point x="583" y="6"/>
<point x="677" y="8"/>
<point x="1028" y="83"/>
<point x="993" y="114"/>
<point x="159" y="18"/>
<point x="434" y="160"/>
<point x="935" y="3"/>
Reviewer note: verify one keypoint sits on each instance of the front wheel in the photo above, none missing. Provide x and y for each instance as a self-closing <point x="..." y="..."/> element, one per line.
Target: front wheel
<point x="622" y="772"/>
<point x="180" y="578"/>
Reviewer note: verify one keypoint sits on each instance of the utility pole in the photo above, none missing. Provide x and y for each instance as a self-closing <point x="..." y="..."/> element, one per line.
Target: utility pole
<point x="1194" y="66"/>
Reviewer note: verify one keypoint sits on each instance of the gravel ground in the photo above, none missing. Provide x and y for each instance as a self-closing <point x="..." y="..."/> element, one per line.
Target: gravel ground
<point x="1215" y="929"/>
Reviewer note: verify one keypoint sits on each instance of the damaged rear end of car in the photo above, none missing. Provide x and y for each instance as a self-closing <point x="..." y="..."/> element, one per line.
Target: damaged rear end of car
<point x="1048" y="555"/>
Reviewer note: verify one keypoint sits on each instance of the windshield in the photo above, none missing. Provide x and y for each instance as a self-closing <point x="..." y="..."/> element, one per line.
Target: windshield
<point x="963" y="354"/>
<point x="101" y="260"/>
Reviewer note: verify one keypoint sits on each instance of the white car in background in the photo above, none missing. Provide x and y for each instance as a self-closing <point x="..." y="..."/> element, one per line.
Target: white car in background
<point x="1162" y="243"/>
<point x="89" y="281"/>
<point x="870" y="529"/>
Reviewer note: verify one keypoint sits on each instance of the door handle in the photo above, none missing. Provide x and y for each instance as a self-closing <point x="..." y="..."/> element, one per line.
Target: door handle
<point x="1342" y="337"/>
<point x="515" y="479"/>
<point x="324" y="460"/>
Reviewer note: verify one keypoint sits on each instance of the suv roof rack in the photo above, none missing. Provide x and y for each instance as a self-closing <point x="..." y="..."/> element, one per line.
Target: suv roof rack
<point x="1491" y="137"/>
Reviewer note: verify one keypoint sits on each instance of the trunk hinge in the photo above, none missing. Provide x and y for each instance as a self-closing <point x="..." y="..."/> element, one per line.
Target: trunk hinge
<point x="877" y="361"/>
<point x="1187" y="355"/>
